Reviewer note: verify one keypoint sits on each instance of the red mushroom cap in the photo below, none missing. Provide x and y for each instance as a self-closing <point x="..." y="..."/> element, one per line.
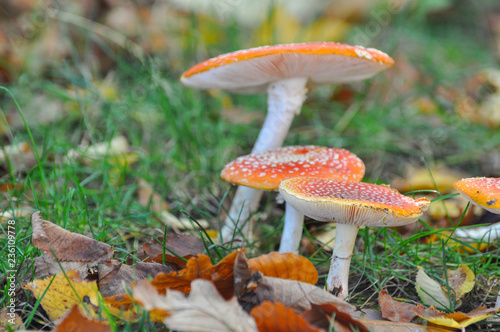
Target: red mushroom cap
<point x="350" y="202"/>
<point x="266" y="170"/>
<point x="251" y="70"/>
<point x="483" y="192"/>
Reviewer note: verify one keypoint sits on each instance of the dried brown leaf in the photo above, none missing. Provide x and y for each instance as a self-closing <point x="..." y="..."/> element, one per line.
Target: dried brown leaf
<point x="327" y="315"/>
<point x="148" y="196"/>
<point x="395" y="311"/>
<point x="114" y="276"/>
<point x="386" y="326"/>
<point x="74" y="251"/>
<point x="286" y="266"/>
<point x="183" y="245"/>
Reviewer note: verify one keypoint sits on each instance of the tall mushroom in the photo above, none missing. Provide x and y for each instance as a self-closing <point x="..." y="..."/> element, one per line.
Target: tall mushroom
<point x="266" y="170"/>
<point x="282" y="71"/>
<point x="350" y="204"/>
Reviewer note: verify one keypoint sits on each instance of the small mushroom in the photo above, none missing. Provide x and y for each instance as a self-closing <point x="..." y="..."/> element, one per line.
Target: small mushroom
<point x="266" y="170"/>
<point x="351" y="205"/>
<point x="282" y="71"/>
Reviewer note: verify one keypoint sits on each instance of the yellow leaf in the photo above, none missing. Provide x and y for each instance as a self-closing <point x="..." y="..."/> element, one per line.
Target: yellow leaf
<point x="461" y="280"/>
<point x="62" y="292"/>
<point x="458" y="320"/>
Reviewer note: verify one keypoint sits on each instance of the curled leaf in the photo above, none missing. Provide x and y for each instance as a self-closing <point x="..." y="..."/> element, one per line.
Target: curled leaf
<point x="200" y="267"/>
<point x="275" y="317"/>
<point x="285" y="266"/>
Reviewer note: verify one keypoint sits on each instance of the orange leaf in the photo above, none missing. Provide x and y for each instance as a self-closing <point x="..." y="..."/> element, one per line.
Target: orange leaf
<point x="275" y="317"/>
<point x="200" y="267"/>
<point x="285" y="266"/>
<point x="76" y="322"/>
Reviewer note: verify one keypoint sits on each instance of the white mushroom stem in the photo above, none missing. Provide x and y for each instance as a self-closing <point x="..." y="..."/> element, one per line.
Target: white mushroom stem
<point x="292" y="232"/>
<point x="244" y="203"/>
<point x="338" y="276"/>
<point x="284" y="101"/>
<point x="488" y="233"/>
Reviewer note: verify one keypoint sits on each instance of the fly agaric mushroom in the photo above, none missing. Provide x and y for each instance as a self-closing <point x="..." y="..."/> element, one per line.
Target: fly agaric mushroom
<point x="485" y="193"/>
<point x="351" y="205"/>
<point x="282" y="71"/>
<point x="266" y="170"/>
<point x="482" y="192"/>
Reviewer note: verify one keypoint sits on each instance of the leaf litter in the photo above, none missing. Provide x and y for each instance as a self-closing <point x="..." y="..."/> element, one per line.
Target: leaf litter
<point x="235" y="294"/>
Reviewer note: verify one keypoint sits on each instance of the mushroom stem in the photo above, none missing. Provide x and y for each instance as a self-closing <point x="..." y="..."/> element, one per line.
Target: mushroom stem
<point x="338" y="276"/>
<point x="244" y="203"/>
<point x="489" y="233"/>
<point x="292" y="232"/>
<point x="285" y="99"/>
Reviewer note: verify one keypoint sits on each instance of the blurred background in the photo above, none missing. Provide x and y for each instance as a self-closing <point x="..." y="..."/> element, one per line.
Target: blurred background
<point x="85" y="73"/>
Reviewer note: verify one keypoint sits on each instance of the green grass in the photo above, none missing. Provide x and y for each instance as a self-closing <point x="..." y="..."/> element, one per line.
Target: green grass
<point x="183" y="141"/>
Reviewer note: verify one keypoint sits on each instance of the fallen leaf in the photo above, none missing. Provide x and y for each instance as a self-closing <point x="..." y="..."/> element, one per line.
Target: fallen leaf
<point x="185" y="246"/>
<point x="148" y="197"/>
<point x="237" y="115"/>
<point x="74" y="321"/>
<point x="393" y="310"/>
<point x="458" y="320"/>
<point x="326" y="238"/>
<point x="9" y="320"/>
<point x="280" y="28"/>
<point x="200" y="267"/>
<point x="440" y="178"/>
<point x="252" y="289"/>
<point x="275" y="317"/>
<point x="73" y="251"/>
<point x="18" y="156"/>
<point x="386" y="326"/>
<point x="327" y="316"/>
<point x="113" y="149"/>
<point x="285" y="266"/>
<point x="430" y="290"/>
<point x="203" y="310"/>
<point x="63" y="291"/>
<point x="480" y="100"/>
<point x="115" y="277"/>
<point x="461" y="281"/>
<point x="465" y="244"/>
<point x="16" y="213"/>
<point x="181" y="223"/>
